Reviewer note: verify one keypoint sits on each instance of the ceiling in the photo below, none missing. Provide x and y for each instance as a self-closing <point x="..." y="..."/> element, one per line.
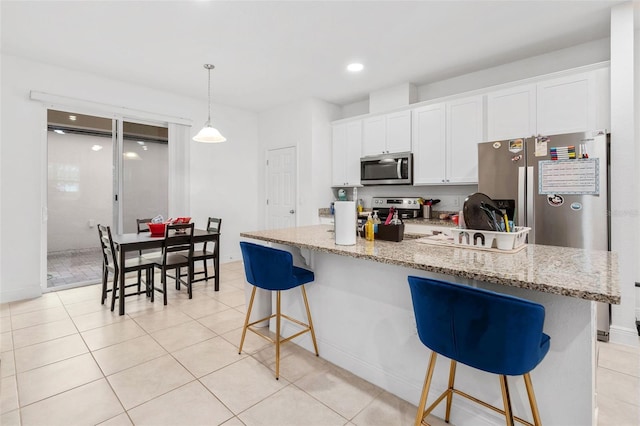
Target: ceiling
<point x="269" y="53"/>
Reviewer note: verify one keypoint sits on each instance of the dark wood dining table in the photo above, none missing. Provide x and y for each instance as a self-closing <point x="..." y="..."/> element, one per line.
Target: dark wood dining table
<point x="145" y="241"/>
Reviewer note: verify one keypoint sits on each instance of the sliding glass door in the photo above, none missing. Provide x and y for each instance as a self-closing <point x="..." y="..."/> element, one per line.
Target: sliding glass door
<point x="100" y="171"/>
<point x="145" y="174"/>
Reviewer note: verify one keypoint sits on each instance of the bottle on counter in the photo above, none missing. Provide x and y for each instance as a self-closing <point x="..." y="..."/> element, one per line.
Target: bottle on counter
<point x="368" y="228"/>
<point x="395" y="220"/>
<point x="359" y="205"/>
<point x="376" y="221"/>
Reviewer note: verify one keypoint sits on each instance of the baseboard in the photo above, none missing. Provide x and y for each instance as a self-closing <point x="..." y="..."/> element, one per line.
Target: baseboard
<point x="20" y="294"/>
<point x="624" y="336"/>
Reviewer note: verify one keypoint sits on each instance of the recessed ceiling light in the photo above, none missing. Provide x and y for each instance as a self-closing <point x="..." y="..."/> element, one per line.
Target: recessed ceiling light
<point x="96" y="147"/>
<point x="58" y="131"/>
<point x="73" y="118"/>
<point x="355" y="67"/>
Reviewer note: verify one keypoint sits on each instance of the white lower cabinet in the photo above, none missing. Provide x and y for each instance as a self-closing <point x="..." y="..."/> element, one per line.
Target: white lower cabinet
<point x="445" y="138"/>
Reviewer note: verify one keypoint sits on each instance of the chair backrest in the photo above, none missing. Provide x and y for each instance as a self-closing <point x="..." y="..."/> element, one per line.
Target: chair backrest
<point x="142" y="225"/>
<point x="214" y="224"/>
<point x="178" y="237"/>
<point x="489" y="331"/>
<point x="108" y="248"/>
<point x="267" y="268"/>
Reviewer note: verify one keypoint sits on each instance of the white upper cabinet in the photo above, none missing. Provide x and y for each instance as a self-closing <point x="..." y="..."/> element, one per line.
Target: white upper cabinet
<point x="511" y="113"/>
<point x="445" y="138"/>
<point x="374" y="133"/>
<point x="567" y="104"/>
<point x="387" y="133"/>
<point x="573" y="103"/>
<point x="399" y="132"/>
<point x="429" y="139"/>
<point x="347" y="145"/>
<point x="464" y="132"/>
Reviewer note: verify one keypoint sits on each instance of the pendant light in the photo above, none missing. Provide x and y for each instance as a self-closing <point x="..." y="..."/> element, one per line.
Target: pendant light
<point x="209" y="134"/>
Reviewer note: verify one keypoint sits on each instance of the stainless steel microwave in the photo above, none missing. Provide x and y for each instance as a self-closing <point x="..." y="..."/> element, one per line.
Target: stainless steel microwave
<point x="387" y="169"/>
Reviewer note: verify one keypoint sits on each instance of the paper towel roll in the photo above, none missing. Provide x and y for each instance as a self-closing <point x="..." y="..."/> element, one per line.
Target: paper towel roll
<point x="345" y="222"/>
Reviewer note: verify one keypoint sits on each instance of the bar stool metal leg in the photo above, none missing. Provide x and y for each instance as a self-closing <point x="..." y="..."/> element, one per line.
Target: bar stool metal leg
<point x="425" y="389"/>
<point x="507" y="400"/>
<point x="452" y="377"/>
<point x="246" y="320"/>
<point x="532" y="400"/>
<point x="278" y="335"/>
<point x="306" y="305"/>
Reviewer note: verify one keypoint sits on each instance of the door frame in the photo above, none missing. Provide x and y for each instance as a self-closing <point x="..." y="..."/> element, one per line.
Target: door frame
<point x="72" y="105"/>
<point x="266" y="182"/>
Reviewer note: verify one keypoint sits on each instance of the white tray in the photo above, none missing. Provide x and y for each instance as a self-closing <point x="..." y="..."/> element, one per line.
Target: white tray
<point x="490" y="239"/>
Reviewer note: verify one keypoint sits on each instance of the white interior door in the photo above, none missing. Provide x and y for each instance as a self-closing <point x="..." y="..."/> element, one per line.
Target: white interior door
<point x="281" y="188"/>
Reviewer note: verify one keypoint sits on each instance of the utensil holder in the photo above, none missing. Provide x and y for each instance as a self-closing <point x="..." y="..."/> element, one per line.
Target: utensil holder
<point x="426" y="211"/>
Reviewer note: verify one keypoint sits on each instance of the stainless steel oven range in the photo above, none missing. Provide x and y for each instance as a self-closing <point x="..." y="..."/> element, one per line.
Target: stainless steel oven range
<point x="407" y="207"/>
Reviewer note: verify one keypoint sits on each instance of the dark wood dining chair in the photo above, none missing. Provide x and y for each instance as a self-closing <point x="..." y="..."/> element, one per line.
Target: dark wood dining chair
<point x="213" y="225"/>
<point x="177" y="253"/>
<point x="110" y="264"/>
<point x="141" y="225"/>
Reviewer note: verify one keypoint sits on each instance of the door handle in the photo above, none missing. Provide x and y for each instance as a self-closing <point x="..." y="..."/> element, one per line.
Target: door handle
<point x="522" y="191"/>
<point x="292" y="211"/>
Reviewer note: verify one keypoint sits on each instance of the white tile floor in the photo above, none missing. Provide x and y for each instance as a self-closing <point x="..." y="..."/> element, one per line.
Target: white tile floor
<point x="67" y="360"/>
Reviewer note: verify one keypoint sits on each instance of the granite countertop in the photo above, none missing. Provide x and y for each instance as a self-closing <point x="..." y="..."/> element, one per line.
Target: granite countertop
<point x="584" y="274"/>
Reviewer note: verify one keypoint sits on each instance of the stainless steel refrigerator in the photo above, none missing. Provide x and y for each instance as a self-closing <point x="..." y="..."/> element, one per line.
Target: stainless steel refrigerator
<point x="559" y="187"/>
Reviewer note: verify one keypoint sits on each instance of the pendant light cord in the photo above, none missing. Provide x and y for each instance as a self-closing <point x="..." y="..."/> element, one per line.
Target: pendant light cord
<point x="209" y="86"/>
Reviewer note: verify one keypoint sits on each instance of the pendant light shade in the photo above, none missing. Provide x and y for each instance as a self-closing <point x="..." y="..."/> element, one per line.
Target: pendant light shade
<point x="209" y="134"/>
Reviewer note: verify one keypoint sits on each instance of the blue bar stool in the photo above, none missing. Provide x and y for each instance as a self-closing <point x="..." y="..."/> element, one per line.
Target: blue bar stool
<point x="485" y="330"/>
<point x="273" y="270"/>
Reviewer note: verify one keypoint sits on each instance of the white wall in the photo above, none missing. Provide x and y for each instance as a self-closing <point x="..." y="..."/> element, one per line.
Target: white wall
<point x="625" y="178"/>
<point x="225" y="179"/>
<point x="637" y="156"/>
<point x="559" y="60"/>
<point x="321" y="195"/>
<point x="307" y="126"/>
<point x="229" y="185"/>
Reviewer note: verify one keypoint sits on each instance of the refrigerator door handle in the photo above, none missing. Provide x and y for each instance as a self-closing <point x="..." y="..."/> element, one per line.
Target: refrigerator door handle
<point x="520" y="220"/>
<point x="530" y="199"/>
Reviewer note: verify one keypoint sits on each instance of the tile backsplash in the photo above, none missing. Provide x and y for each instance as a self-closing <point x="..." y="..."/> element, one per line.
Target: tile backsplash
<point x="451" y="196"/>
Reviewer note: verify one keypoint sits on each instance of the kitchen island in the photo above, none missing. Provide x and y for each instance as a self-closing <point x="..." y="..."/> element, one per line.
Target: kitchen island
<point x="362" y="312"/>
